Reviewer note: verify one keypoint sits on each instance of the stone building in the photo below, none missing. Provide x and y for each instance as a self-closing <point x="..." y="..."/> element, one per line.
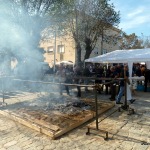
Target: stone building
<point x="65" y="47"/>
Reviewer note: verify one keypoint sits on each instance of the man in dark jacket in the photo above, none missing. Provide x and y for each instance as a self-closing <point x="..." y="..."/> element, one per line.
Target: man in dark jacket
<point x="146" y="73"/>
<point x="86" y="73"/>
<point x="78" y="73"/>
<point x="113" y="74"/>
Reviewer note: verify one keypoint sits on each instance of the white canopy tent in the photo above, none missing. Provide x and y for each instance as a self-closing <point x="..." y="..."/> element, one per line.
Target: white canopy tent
<point x="124" y="56"/>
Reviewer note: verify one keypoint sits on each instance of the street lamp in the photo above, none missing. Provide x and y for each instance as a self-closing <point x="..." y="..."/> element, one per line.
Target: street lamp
<point x="55" y="34"/>
<point x="54" y="68"/>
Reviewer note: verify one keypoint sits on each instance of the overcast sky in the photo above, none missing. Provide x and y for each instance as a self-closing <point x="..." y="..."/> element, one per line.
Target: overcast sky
<point x="135" y="16"/>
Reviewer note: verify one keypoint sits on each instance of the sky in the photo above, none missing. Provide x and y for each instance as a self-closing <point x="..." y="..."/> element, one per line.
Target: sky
<point x="135" y="16"/>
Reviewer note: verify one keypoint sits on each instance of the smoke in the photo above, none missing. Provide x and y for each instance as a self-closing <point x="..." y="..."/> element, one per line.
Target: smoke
<point x="19" y="43"/>
<point x="19" y="39"/>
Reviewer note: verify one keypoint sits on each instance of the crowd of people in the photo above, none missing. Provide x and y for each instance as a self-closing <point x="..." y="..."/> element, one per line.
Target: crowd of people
<point x="70" y="75"/>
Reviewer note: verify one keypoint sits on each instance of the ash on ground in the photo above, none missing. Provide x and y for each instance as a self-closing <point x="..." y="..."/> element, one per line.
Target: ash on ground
<point x="63" y="104"/>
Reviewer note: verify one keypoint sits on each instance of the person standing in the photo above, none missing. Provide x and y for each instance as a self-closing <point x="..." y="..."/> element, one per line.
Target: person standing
<point x="77" y="74"/>
<point x="124" y="74"/>
<point x="113" y="74"/>
<point x="62" y="74"/>
<point x="86" y="73"/>
<point x="146" y="73"/>
<point x="99" y="73"/>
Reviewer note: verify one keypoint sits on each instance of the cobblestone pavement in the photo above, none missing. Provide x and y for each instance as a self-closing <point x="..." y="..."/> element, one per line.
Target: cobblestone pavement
<point x="126" y="132"/>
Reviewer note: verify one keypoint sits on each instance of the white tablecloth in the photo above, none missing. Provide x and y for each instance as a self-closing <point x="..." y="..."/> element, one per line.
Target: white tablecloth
<point x="142" y="78"/>
<point x="129" y="95"/>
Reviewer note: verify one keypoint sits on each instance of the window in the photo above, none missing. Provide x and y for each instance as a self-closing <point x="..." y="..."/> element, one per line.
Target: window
<point x="50" y="49"/>
<point x="104" y="51"/>
<point x="61" y="49"/>
<point x="61" y="57"/>
<point x="95" y="51"/>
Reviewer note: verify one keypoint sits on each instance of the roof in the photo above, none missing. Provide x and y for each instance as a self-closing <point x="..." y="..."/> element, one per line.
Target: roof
<point x="123" y="56"/>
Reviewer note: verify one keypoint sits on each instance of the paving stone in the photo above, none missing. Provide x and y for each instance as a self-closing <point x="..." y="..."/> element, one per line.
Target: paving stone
<point x="3" y="149"/>
<point x="11" y="143"/>
<point x="140" y="146"/>
<point x="50" y="147"/>
<point x="26" y="147"/>
<point x="24" y="144"/>
<point x="125" y="132"/>
<point x="2" y="142"/>
<point x="31" y="148"/>
<point x="14" y="147"/>
<point x="127" y="144"/>
<point x="40" y="147"/>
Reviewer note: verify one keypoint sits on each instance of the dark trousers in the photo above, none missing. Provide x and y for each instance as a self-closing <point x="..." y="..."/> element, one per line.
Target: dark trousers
<point x="147" y="80"/>
<point x="106" y="91"/>
<point x="78" y="91"/>
<point x="113" y="91"/>
<point x="77" y="81"/>
<point x="66" y="87"/>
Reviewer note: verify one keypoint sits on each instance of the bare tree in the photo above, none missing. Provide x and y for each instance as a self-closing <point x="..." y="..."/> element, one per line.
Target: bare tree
<point x="86" y="21"/>
<point x="130" y="41"/>
<point x="145" y="40"/>
<point x="96" y="17"/>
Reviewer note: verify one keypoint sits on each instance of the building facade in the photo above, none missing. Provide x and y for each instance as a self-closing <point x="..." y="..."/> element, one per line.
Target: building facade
<point x="64" y="47"/>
